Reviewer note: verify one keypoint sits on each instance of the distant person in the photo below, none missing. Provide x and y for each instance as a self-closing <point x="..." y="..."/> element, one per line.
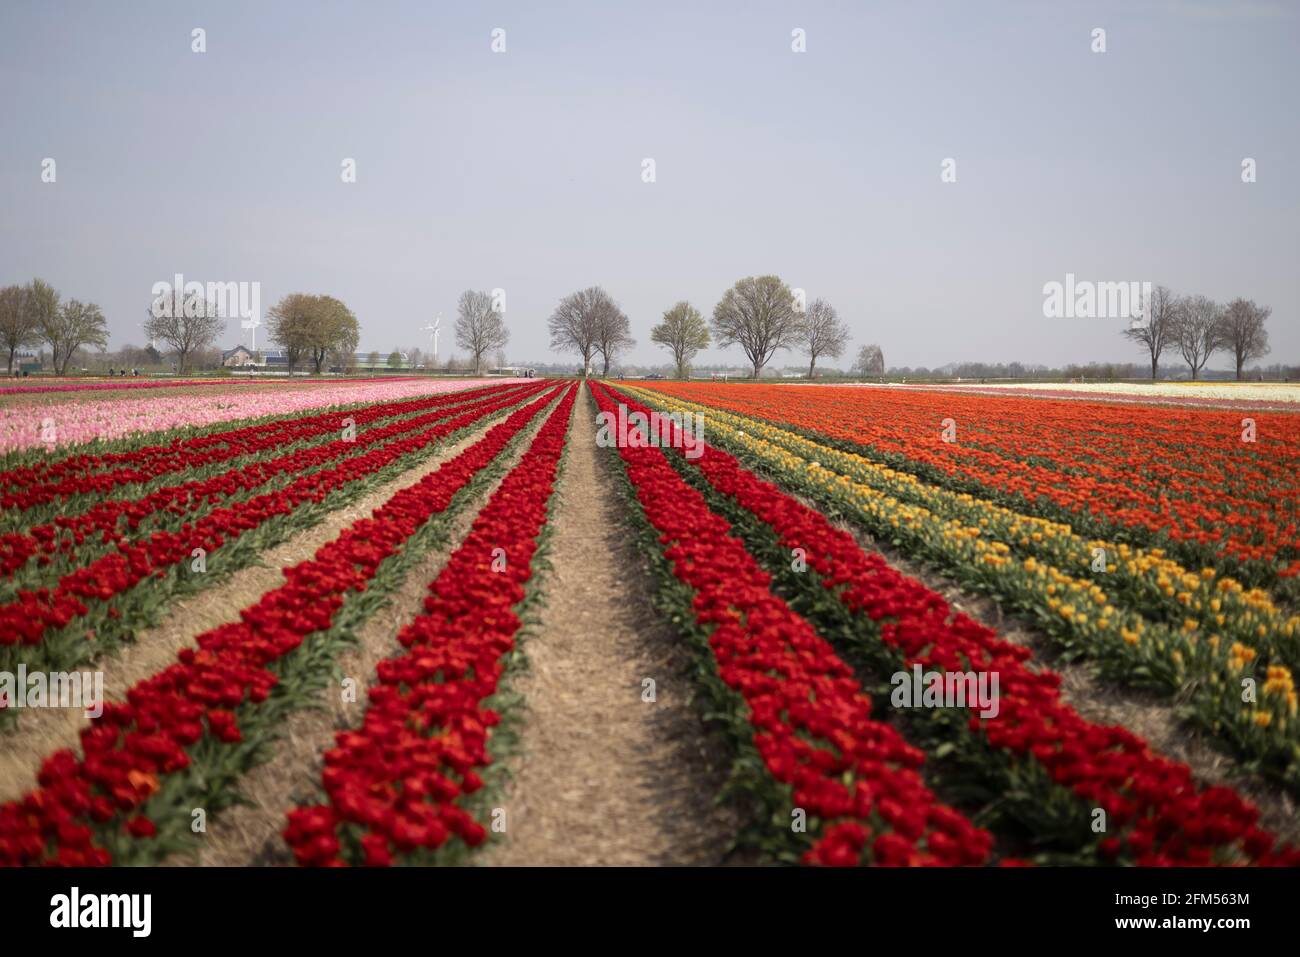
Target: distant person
<point x="110" y="370"/>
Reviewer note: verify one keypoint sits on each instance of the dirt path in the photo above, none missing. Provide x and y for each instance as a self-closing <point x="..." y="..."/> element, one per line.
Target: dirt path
<point x="605" y="778"/>
<point x="43" y="731"/>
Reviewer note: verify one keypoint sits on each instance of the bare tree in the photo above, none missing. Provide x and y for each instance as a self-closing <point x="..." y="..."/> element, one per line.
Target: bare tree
<point x="1196" y="331"/>
<point x="613" y="333"/>
<point x="1242" y="332"/>
<point x="1156" y="330"/>
<point x="18" y="325"/>
<point x="870" y="361"/>
<point x="822" y="333"/>
<point x="189" y="323"/>
<point x="74" y="325"/>
<point x="480" y="328"/>
<point x="574" y="323"/>
<point x="685" y="332"/>
<point x="757" y="314"/>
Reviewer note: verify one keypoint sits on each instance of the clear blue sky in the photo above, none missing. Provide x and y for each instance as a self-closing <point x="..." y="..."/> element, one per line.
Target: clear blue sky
<point x="522" y="170"/>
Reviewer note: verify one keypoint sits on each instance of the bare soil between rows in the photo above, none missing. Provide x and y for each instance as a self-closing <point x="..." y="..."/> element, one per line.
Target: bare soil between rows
<point x="603" y="776"/>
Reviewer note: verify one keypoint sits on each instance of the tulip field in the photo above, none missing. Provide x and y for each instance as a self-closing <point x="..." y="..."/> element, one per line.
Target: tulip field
<point x="418" y="622"/>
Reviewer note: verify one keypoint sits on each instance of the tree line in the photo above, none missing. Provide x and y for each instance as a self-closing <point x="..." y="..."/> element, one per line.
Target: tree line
<point x="1196" y="327"/>
<point x="36" y="314"/>
<point x="320" y="329"/>
<point x="311" y="329"/>
<point x="761" y="314"/>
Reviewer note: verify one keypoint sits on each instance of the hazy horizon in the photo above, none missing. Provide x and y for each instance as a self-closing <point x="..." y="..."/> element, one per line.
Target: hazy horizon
<point x="522" y="170"/>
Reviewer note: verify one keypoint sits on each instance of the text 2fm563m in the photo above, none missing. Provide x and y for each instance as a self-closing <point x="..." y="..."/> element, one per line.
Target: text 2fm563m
<point x="1212" y="899"/>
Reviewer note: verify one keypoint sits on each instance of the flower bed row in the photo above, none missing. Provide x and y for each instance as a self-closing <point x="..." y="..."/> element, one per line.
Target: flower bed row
<point x="1233" y="691"/>
<point x="811" y="724"/>
<point x="1156" y="813"/>
<point x="1145" y="580"/>
<point x="132" y="753"/>
<point x="39" y="615"/>
<point x="27" y="486"/>
<point x="1150" y="475"/>
<point x="111" y="385"/>
<point x="396" y="785"/>
<point x="110" y="419"/>
<point x="108" y="385"/>
<point x="69" y="531"/>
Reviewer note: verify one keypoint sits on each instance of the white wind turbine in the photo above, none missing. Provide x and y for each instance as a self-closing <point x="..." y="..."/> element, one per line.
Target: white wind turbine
<point x="433" y="330"/>
<point x="251" y="325"/>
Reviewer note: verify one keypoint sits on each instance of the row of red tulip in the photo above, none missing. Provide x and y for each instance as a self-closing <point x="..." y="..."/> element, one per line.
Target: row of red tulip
<point x="1156" y="813"/>
<point x="34" y="614"/>
<point x="395" y="783"/>
<point x="28" y="486"/>
<point x="852" y="774"/>
<point x="69" y="531"/>
<point x="130" y="750"/>
<point x="1126" y="465"/>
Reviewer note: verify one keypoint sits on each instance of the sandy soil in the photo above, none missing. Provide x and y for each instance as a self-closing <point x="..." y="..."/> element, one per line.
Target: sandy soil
<point x="605" y="778"/>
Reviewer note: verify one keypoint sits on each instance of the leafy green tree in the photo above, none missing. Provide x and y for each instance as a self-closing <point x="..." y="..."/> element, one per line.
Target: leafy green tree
<point x="684" y="332"/>
<point x="313" y="328"/>
<point x="18" y="327"/>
